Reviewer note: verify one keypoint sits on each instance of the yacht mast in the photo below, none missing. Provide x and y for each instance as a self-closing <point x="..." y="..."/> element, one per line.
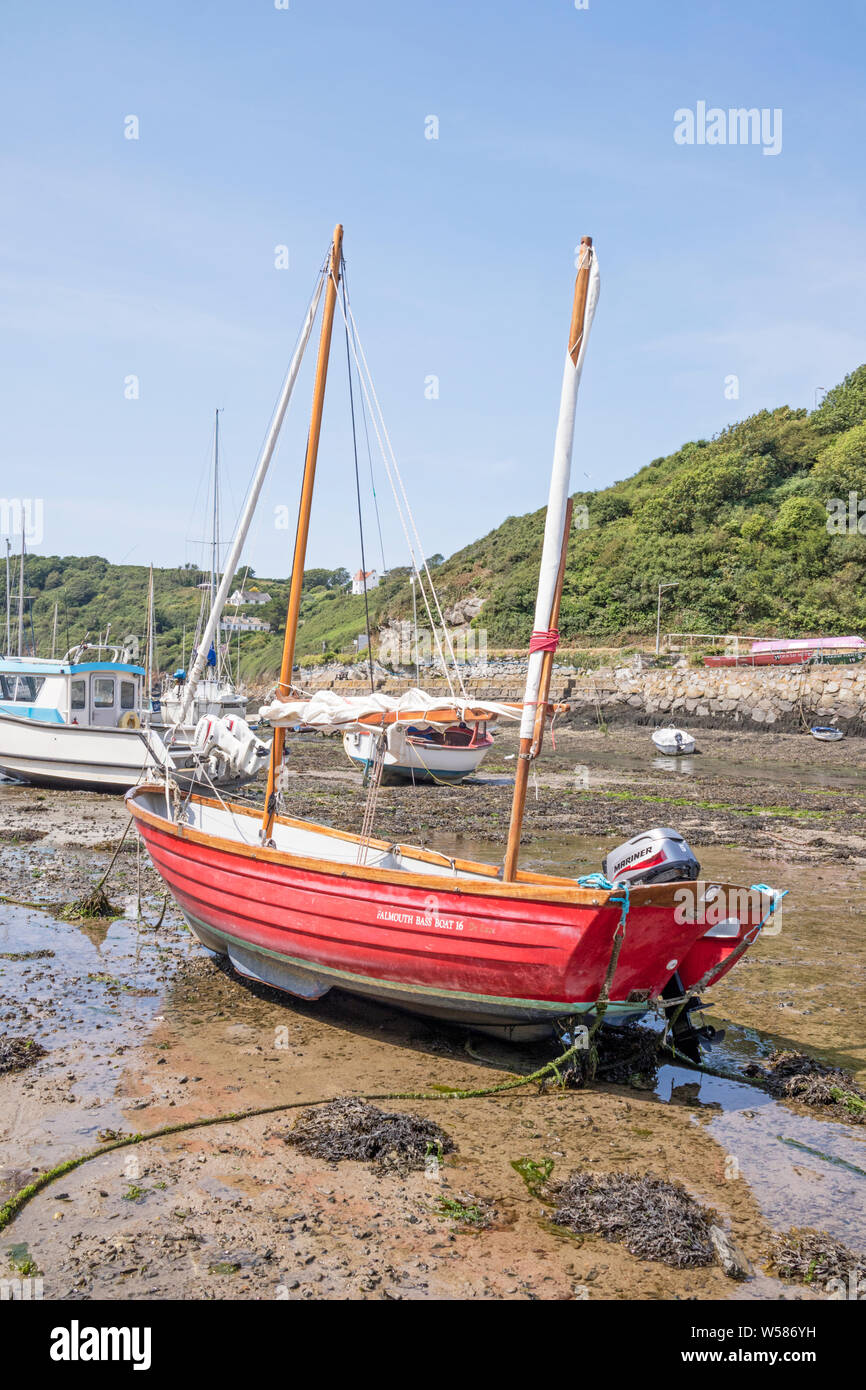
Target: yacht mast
<point x="215" y="540"/>
<point x="8" y="601"/>
<point x="283" y="690"/>
<point x="21" y="598"/>
<point x="237" y="546"/>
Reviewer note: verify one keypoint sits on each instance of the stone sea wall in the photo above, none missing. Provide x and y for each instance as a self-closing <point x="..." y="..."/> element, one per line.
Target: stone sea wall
<point x="778" y="698"/>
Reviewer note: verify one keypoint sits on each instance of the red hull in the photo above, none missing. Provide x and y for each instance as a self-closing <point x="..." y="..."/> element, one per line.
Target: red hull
<point x="532" y="951"/>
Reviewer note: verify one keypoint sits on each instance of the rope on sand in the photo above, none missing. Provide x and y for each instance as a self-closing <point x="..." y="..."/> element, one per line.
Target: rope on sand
<point x="19" y="1199"/>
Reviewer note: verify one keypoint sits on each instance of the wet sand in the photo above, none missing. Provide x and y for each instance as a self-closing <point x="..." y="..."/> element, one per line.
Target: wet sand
<point x="144" y="1029"/>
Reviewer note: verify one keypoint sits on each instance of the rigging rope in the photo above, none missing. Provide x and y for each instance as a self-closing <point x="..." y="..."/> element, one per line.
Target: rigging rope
<point x="358" y="493"/>
<point x="404" y="510"/>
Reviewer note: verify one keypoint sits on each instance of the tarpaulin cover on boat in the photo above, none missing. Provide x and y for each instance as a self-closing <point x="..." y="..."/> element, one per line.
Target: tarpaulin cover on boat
<point x="329" y="711"/>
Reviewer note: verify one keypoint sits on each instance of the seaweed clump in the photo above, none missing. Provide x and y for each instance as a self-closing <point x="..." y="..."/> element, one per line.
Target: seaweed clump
<point x="94" y="904"/>
<point x="654" y="1219"/>
<point x="796" y="1076"/>
<point x="18" y="1053"/>
<point x="814" y="1257"/>
<point x="628" y="1056"/>
<point x="389" y="1140"/>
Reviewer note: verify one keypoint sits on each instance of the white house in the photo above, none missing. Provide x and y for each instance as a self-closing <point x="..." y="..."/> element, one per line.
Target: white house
<point x="254" y="596"/>
<point x="237" y="624"/>
<point x="371" y="577"/>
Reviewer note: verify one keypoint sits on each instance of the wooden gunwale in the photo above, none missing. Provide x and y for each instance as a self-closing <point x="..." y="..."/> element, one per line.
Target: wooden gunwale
<point x="528" y="886"/>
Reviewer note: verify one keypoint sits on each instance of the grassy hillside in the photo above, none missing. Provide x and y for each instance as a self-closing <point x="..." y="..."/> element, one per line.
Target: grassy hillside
<point x="740" y="521"/>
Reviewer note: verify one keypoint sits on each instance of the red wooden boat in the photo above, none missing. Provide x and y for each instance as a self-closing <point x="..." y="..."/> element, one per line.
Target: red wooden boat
<point x="446" y="938"/>
<point x="305" y="908"/>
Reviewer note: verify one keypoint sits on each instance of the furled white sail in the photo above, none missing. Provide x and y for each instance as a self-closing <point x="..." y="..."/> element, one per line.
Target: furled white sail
<point x="331" y="712"/>
<point x="554" y="526"/>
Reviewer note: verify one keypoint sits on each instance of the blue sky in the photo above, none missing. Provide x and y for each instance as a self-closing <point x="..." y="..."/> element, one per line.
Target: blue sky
<point x="261" y="127"/>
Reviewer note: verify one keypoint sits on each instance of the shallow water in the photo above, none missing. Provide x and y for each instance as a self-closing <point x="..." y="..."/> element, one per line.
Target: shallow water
<point x="768" y="1144"/>
<point x="93" y="999"/>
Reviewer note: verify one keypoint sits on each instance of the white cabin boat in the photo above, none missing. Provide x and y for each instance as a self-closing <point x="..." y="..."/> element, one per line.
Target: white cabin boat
<point x="85" y="724"/>
<point x="213" y="699"/>
<point x="77" y="724"/>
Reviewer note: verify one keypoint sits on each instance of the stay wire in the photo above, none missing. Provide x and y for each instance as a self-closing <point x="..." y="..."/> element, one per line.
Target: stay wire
<point x="358" y="488"/>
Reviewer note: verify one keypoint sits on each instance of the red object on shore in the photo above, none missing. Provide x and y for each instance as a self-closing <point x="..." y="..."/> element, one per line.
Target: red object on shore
<point x="452" y="942"/>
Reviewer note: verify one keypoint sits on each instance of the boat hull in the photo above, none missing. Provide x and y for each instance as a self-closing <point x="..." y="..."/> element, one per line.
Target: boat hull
<point x="74" y="756"/>
<point x="451" y="941"/>
<point x="408" y="760"/>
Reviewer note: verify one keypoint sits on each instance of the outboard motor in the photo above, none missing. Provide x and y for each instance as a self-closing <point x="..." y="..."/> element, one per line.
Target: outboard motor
<point x="662" y="856"/>
<point x="654" y="856"/>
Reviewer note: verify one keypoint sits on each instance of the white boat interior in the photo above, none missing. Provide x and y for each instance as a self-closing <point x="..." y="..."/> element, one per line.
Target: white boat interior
<point x="242" y="825"/>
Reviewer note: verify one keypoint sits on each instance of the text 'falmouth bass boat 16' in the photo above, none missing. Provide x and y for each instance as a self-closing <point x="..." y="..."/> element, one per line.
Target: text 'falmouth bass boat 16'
<point x="306" y="908"/>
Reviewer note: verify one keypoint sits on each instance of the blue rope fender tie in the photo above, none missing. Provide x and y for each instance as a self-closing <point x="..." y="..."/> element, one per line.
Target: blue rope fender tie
<point x="775" y="895"/>
<point x="599" y="881"/>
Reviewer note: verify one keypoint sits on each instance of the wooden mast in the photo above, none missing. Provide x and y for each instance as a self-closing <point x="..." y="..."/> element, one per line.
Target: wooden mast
<point x="284" y="688"/>
<point x="557" y="525"/>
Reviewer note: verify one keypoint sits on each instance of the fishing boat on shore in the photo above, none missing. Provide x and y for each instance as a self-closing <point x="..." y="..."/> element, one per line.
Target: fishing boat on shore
<point x="85" y="722"/>
<point x="79" y="723"/>
<point x="307" y="908"/>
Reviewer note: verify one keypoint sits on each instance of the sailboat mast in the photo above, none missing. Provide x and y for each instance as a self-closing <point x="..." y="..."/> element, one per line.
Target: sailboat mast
<point x="544" y="637"/>
<point x="215" y="540"/>
<point x="148" y="655"/>
<point x="21" y="598"/>
<point x="8" y="600"/>
<point x="264" y="460"/>
<point x="54" y="634"/>
<point x="303" y="530"/>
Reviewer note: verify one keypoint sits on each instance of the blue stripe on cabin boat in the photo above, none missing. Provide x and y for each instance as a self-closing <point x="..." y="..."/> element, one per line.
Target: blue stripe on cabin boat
<point x="10" y="666"/>
<point x="44" y="714"/>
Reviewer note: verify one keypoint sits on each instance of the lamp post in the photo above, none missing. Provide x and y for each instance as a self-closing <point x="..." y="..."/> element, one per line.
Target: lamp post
<point x="672" y="584"/>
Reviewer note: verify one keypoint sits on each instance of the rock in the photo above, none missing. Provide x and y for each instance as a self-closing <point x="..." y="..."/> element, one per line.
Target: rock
<point x="730" y="1256"/>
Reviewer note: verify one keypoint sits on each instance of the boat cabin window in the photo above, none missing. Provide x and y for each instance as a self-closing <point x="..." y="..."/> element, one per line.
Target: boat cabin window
<point x="78" y="698"/>
<point x="127" y="694"/>
<point x="24" y="688"/>
<point x="103" y="692"/>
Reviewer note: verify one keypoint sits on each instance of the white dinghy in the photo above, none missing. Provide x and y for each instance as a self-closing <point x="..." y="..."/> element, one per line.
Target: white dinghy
<point x="672" y="741"/>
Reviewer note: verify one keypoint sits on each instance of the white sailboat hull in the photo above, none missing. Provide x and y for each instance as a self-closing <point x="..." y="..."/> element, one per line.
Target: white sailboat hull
<point x="410" y="760"/>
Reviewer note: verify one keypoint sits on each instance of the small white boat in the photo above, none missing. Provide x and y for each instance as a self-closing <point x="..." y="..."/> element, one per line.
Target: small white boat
<point x="826" y="733"/>
<point x="422" y="753"/>
<point x="673" y="741"/>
